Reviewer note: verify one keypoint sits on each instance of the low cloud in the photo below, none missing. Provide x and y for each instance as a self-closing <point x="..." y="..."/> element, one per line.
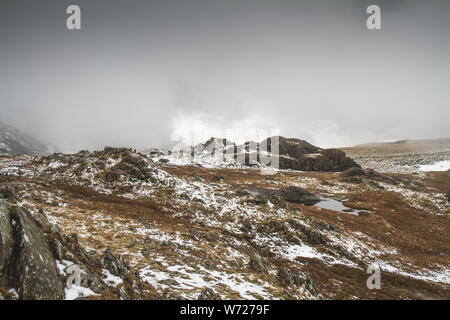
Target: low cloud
<point x="150" y="73"/>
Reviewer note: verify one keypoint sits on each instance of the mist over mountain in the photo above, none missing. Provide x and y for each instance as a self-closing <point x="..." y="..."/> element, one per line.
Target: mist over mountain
<point x="15" y="142"/>
<point x="138" y="75"/>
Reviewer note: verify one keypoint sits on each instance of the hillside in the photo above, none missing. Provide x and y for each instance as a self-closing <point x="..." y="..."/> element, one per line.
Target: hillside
<point x="407" y="156"/>
<point x="15" y="142"/>
<point x="231" y="233"/>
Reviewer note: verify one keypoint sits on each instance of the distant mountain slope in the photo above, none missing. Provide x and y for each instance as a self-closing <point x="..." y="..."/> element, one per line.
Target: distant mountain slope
<point x="398" y="147"/>
<point x="15" y="142"/>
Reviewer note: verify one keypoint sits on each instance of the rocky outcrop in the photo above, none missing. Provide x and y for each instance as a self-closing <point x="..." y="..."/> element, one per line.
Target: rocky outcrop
<point x="6" y="244"/>
<point x="292" y="154"/>
<point x="31" y="268"/>
<point x="300" y="155"/>
<point x="35" y="256"/>
<point x="131" y="167"/>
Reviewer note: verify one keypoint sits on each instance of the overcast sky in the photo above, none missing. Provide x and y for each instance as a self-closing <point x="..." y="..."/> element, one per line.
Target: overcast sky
<point x="141" y="73"/>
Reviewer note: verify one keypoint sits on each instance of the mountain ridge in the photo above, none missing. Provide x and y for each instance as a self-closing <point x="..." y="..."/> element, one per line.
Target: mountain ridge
<point x="15" y="142"/>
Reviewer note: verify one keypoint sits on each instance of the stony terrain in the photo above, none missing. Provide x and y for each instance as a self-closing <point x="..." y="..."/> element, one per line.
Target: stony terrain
<point x="145" y="228"/>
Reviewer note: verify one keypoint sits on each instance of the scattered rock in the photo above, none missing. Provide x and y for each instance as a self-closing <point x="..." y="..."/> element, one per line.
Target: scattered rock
<point x="218" y="179"/>
<point x="208" y="294"/>
<point x="242" y="193"/>
<point x="271" y="227"/>
<point x="256" y="263"/>
<point x="285" y="277"/>
<point x="113" y="264"/>
<point x="303" y="280"/>
<point x="42" y="221"/>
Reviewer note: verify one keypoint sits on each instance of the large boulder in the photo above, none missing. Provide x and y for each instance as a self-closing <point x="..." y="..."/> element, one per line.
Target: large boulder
<point x="30" y="249"/>
<point x="299" y="195"/>
<point x="33" y="270"/>
<point x="6" y="244"/>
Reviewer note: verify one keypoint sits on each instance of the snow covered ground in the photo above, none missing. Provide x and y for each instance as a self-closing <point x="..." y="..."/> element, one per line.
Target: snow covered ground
<point x="437" y="166"/>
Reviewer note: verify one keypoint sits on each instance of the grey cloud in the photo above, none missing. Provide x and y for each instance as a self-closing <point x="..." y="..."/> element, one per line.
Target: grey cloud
<point x="309" y="68"/>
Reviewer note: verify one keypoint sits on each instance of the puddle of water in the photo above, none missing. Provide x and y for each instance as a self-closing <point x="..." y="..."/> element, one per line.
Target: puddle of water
<point x="335" y="205"/>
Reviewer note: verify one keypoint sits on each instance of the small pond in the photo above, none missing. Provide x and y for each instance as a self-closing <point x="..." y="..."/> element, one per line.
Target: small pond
<point x="336" y="205"/>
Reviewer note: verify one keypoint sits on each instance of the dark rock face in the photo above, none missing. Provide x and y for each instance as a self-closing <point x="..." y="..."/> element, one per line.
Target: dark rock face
<point x="448" y="196"/>
<point x="6" y="244"/>
<point x="31" y="266"/>
<point x="300" y="155"/>
<point x="30" y="247"/>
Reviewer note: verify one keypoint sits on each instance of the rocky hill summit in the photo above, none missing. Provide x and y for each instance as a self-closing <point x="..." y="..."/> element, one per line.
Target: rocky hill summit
<point x="289" y="153"/>
<point x="300" y="155"/>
